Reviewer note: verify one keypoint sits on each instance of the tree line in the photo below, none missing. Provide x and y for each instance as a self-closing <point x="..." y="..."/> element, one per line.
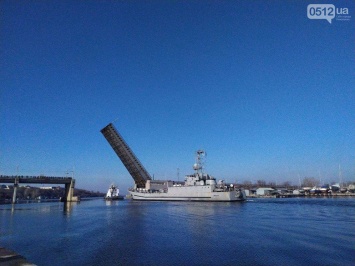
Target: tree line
<point x="306" y="182"/>
<point x="32" y="193"/>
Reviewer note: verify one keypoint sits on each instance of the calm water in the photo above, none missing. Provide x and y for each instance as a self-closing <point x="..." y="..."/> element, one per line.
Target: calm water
<point x="258" y="232"/>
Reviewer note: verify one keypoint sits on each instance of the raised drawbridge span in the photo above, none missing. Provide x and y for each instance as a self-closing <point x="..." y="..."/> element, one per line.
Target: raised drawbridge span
<point x="124" y="152"/>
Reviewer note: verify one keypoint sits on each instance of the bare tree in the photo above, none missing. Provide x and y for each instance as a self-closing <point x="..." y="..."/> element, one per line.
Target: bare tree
<point x="26" y="193"/>
<point x="310" y="182"/>
<point x="272" y="184"/>
<point x="286" y="184"/>
<point x="35" y="193"/>
<point x="261" y="183"/>
<point x="247" y="184"/>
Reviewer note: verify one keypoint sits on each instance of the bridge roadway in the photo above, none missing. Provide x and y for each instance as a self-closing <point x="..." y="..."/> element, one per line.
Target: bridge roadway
<point x="68" y="181"/>
<point x="35" y="179"/>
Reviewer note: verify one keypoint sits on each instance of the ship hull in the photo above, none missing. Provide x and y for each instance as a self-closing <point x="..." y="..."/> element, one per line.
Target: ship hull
<point x="115" y="198"/>
<point x="189" y="194"/>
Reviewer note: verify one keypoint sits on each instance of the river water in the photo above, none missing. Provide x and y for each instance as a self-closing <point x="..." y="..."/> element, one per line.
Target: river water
<point x="298" y="231"/>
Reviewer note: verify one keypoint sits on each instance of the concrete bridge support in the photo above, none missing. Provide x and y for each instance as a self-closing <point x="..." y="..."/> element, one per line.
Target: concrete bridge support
<point x="15" y="191"/>
<point x="69" y="192"/>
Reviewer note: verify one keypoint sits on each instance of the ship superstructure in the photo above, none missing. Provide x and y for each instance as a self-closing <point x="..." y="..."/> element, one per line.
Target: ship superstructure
<point x="198" y="186"/>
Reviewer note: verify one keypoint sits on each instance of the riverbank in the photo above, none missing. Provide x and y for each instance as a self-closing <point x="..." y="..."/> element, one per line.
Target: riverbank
<point x="344" y="195"/>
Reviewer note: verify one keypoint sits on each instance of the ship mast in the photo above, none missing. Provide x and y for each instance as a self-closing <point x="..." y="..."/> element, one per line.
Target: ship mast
<point x="198" y="166"/>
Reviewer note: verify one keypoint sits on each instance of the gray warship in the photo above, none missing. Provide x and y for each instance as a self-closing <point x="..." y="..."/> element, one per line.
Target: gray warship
<point x="198" y="186"/>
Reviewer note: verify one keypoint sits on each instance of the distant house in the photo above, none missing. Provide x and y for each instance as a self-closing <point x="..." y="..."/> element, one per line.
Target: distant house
<point x="298" y="192"/>
<point x="282" y="190"/>
<point x="250" y="192"/>
<point x="262" y="191"/>
<point x="47" y="188"/>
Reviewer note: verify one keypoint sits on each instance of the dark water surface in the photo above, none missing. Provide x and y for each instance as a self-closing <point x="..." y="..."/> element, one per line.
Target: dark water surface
<point x="259" y="232"/>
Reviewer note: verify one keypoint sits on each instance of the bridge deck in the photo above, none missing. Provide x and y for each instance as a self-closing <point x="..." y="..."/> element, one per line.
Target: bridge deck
<point x="35" y="179"/>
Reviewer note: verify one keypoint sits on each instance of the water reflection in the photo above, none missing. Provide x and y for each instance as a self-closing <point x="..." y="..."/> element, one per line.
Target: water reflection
<point x="111" y="202"/>
<point x="202" y="221"/>
<point x="68" y="207"/>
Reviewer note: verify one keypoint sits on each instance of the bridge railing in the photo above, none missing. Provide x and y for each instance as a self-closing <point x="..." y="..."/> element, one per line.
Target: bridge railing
<point x="34" y="177"/>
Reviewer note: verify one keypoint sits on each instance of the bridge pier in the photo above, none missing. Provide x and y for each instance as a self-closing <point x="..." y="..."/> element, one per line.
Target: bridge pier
<point x="69" y="192"/>
<point x="15" y="191"/>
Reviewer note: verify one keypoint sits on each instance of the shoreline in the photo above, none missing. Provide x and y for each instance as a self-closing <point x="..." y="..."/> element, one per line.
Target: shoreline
<point x="334" y="195"/>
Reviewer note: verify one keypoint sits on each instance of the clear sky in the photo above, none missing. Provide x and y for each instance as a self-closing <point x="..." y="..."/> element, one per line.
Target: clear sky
<point x="266" y="91"/>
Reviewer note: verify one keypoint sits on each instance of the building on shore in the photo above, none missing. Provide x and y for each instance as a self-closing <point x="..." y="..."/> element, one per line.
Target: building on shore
<point x="264" y="191"/>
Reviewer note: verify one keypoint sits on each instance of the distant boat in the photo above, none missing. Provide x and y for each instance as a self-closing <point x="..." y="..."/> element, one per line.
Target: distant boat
<point x="343" y="189"/>
<point x="113" y="193"/>
<point x="335" y="187"/>
<point x="315" y="190"/>
<point x="351" y="188"/>
<point x="325" y="188"/>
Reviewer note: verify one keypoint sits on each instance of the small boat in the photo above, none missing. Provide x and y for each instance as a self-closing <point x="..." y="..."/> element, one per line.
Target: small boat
<point x="343" y="189"/>
<point x="113" y="193"/>
<point x="325" y="188"/>
<point x="335" y="187"/>
<point x="315" y="190"/>
<point x="351" y="188"/>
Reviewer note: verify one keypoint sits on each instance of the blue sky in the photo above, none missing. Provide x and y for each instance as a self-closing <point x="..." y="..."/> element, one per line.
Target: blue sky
<point x="267" y="92"/>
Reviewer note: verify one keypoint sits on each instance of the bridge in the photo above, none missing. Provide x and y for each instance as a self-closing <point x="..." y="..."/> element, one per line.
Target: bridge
<point x="128" y="158"/>
<point x="67" y="181"/>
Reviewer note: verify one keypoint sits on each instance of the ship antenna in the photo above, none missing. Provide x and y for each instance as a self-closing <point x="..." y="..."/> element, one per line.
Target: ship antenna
<point x="198" y="166"/>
